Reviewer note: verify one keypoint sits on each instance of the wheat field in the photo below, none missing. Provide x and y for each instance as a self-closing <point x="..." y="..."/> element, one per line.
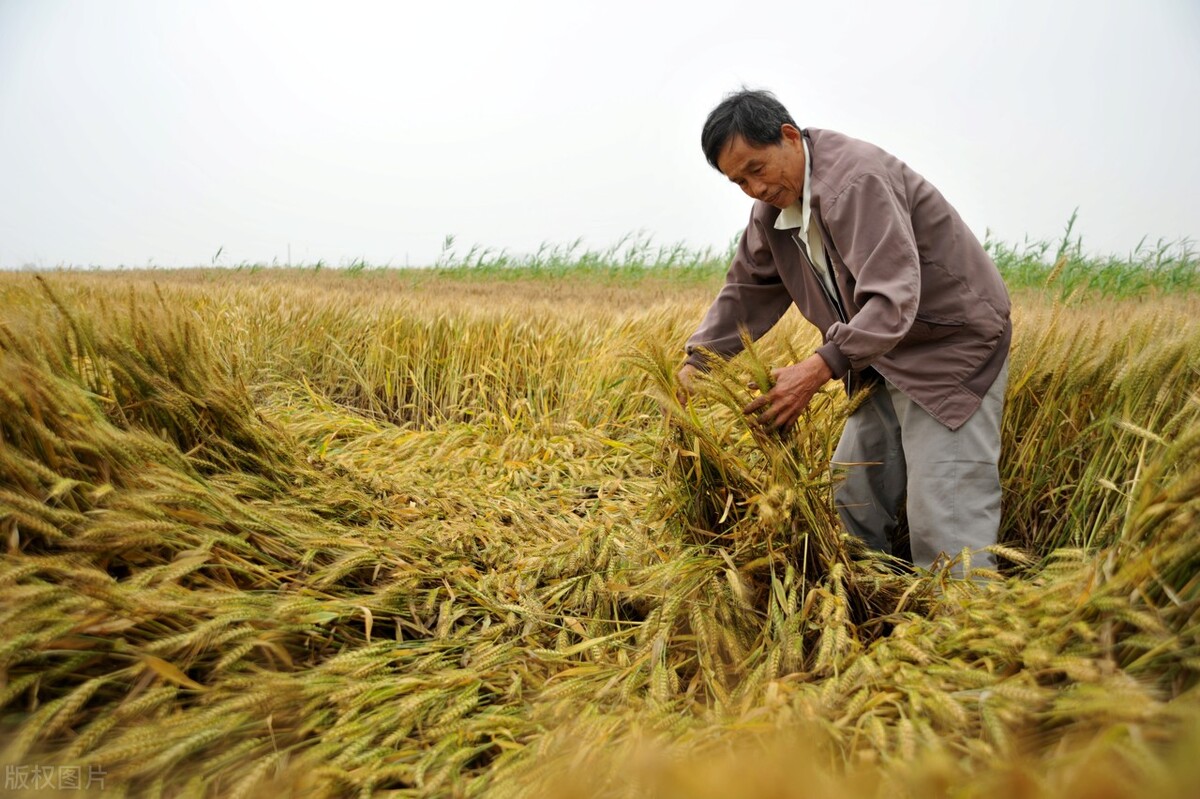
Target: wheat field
<point x="386" y="533"/>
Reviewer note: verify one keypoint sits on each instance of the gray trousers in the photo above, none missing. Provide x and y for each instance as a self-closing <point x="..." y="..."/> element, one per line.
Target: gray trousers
<point x="892" y="446"/>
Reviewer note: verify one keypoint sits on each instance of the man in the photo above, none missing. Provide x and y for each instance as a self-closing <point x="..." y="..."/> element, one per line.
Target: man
<point x="908" y="302"/>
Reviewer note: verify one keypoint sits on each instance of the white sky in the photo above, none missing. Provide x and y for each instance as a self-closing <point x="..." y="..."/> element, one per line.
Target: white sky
<point x="154" y="132"/>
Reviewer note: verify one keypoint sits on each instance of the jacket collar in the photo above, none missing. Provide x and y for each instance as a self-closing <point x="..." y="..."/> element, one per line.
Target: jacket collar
<point x="799" y="213"/>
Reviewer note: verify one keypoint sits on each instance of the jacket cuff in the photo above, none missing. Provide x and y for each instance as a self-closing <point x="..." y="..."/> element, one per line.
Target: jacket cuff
<point x="701" y="359"/>
<point x="838" y="363"/>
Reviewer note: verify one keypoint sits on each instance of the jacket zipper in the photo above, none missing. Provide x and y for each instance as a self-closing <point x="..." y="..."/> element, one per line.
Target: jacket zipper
<point x="834" y="299"/>
<point x="852" y="380"/>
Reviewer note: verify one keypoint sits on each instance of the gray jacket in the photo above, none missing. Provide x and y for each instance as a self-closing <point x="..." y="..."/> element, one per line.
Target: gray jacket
<point x="921" y="302"/>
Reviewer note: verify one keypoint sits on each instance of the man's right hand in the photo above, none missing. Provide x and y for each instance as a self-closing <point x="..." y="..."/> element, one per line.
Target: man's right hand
<point x="686" y="377"/>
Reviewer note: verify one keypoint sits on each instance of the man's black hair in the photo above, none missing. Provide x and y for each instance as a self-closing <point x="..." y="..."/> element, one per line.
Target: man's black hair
<point x="755" y="115"/>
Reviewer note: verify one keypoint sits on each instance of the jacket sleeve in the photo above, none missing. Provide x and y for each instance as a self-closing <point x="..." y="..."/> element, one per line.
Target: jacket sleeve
<point x="753" y="298"/>
<point x="872" y="230"/>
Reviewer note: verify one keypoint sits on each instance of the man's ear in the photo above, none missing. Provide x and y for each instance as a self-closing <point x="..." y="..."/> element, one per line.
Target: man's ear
<point x="790" y="132"/>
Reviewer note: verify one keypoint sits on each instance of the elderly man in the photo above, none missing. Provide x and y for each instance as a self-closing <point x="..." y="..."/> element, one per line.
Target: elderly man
<point x="908" y="303"/>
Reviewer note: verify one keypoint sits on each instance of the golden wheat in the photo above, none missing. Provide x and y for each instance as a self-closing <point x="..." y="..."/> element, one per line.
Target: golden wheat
<point x="403" y="535"/>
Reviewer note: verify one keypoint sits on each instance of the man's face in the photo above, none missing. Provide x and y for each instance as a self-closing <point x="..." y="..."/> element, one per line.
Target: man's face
<point x="773" y="173"/>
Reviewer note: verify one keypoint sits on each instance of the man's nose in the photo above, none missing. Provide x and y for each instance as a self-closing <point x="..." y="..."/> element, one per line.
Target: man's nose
<point x="755" y="189"/>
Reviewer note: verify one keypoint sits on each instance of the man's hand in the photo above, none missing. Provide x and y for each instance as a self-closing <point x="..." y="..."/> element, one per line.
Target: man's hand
<point x="794" y="387"/>
<point x="686" y="376"/>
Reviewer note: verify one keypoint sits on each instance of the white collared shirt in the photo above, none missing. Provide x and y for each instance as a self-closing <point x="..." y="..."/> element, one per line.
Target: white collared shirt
<point x="799" y="215"/>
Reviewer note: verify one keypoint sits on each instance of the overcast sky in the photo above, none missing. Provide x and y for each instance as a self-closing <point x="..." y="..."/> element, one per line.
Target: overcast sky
<point x="158" y="133"/>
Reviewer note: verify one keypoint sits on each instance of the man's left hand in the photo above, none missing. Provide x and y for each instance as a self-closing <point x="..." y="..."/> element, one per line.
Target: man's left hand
<point x="794" y="387"/>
